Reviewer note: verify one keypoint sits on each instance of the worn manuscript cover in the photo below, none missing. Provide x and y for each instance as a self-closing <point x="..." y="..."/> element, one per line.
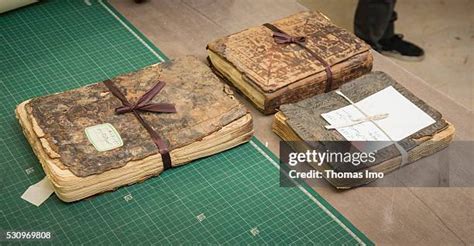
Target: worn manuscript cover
<point x="55" y="126"/>
<point x="301" y="124"/>
<point x="282" y="73"/>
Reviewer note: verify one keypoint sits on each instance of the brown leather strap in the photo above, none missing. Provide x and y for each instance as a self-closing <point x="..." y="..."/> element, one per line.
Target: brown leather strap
<point x="281" y="37"/>
<point x="144" y="104"/>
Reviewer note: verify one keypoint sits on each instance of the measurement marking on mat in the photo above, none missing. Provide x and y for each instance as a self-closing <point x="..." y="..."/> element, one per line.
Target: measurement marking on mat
<point x="30" y="170"/>
<point x="326" y="210"/>
<point x="201" y="217"/>
<point x="87" y="2"/>
<point x="254" y="231"/>
<point x="128" y="197"/>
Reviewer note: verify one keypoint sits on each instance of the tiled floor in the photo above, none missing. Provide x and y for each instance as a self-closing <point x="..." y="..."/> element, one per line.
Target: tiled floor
<point x="444" y="28"/>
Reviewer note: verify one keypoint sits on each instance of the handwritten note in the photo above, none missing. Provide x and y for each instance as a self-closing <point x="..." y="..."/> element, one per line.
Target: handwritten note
<point x="103" y="137"/>
<point x="404" y="118"/>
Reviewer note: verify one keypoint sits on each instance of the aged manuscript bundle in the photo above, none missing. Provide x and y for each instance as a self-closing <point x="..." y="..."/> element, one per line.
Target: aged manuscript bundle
<point x="290" y="59"/>
<point x="127" y="129"/>
<point x="373" y="114"/>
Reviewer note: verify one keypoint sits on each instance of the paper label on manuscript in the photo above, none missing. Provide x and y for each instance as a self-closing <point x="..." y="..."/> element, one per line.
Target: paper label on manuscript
<point x="104" y="137"/>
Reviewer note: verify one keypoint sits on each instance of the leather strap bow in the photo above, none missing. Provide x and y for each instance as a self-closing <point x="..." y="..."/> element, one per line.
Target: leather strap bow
<point x="281" y="37"/>
<point x="144" y="104"/>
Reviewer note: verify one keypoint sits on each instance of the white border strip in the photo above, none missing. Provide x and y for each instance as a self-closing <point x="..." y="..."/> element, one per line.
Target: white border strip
<point x="309" y="195"/>
<point x="131" y="31"/>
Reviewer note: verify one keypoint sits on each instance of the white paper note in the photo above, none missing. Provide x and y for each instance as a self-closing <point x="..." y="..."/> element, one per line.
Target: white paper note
<point x="103" y="137"/>
<point x="37" y="193"/>
<point x="404" y="118"/>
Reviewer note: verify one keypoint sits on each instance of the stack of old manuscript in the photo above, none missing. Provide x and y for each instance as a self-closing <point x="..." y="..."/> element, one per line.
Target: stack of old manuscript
<point x="290" y="59"/>
<point x="130" y="128"/>
<point x="374" y="113"/>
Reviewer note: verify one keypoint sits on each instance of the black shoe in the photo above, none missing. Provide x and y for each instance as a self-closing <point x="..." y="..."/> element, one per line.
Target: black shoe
<point x="398" y="48"/>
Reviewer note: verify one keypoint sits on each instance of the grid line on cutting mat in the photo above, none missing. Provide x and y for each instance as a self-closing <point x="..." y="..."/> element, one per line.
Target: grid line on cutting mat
<point x="231" y="197"/>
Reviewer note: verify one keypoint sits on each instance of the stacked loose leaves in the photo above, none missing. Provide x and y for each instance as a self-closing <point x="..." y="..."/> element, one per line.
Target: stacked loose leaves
<point x="208" y="120"/>
<point x="270" y="74"/>
<point x="302" y="126"/>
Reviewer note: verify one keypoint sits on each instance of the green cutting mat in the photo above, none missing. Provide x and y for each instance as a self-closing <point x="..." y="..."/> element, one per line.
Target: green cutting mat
<point x="233" y="197"/>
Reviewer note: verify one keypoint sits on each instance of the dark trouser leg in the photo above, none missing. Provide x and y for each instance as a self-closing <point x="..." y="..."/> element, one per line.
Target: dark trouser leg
<point x="374" y="21"/>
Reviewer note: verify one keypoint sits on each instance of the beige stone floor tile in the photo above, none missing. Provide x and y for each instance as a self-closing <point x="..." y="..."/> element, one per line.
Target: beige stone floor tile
<point x="445" y="29"/>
